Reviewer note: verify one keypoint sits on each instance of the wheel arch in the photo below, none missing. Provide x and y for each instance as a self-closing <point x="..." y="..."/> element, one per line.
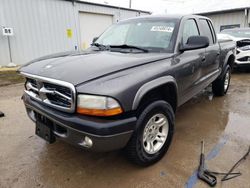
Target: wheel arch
<point x="166" y="84"/>
<point x="229" y="60"/>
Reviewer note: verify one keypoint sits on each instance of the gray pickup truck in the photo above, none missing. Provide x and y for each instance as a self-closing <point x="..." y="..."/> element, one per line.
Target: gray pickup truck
<point x="123" y="92"/>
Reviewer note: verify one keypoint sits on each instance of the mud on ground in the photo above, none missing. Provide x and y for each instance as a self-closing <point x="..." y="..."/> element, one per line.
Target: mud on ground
<point x="9" y="76"/>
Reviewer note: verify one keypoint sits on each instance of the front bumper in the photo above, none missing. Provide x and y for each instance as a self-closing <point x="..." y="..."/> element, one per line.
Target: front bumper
<point x="106" y="134"/>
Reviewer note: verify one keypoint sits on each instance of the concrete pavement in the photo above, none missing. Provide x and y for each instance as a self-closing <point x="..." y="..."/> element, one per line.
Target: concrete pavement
<point x="223" y="122"/>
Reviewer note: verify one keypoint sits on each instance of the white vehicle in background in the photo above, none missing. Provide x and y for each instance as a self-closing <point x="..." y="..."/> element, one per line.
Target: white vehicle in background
<point x="242" y="38"/>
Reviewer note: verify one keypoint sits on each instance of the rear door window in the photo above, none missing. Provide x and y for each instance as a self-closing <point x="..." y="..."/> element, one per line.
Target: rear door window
<point x="213" y="32"/>
<point x="207" y="30"/>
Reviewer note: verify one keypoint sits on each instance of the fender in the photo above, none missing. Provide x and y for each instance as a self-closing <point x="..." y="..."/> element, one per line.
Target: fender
<point x="151" y="85"/>
<point x="227" y="58"/>
<point x="225" y="63"/>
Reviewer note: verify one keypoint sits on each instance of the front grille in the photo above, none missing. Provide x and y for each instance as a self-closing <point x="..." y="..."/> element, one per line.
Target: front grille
<point x="54" y="93"/>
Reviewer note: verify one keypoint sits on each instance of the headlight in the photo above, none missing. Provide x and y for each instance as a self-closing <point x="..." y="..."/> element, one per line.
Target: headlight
<point x="97" y="105"/>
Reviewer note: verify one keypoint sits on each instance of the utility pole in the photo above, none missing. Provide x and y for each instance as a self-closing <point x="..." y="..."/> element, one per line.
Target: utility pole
<point x="8" y="38"/>
<point x="130" y="3"/>
<point x="7" y="31"/>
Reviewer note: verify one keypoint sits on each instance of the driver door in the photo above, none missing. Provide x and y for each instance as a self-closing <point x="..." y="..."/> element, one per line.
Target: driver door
<point x="189" y="63"/>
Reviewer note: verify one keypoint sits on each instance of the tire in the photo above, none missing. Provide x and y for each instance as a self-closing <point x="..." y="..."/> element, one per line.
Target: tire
<point x="221" y="85"/>
<point x="139" y="151"/>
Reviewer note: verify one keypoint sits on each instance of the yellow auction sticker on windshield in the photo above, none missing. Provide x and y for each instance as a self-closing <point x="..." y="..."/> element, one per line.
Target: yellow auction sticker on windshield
<point x="162" y="29"/>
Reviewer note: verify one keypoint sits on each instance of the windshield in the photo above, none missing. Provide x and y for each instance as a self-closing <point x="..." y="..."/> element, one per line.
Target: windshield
<point x="238" y="33"/>
<point x="148" y="34"/>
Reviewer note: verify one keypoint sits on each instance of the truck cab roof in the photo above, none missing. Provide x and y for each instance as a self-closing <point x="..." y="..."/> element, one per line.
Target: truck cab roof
<point x="165" y="16"/>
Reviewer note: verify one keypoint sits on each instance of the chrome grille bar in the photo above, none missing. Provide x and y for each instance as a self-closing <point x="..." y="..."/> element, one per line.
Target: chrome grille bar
<point x="51" y="96"/>
<point x="53" y="92"/>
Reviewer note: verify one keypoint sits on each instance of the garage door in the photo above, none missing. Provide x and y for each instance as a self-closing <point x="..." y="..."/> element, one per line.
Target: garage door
<point x="92" y="25"/>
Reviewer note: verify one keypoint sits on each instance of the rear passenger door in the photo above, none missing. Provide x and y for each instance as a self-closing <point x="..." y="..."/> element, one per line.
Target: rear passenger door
<point x="210" y="64"/>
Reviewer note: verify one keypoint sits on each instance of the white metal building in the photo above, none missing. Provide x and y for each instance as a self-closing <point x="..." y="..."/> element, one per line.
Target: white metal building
<point x="229" y="18"/>
<point x="42" y="27"/>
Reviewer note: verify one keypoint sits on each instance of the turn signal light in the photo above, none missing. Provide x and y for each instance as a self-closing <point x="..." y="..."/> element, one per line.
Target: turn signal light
<point x="99" y="112"/>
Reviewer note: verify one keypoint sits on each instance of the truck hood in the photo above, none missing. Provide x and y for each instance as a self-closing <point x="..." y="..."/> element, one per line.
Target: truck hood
<point x="80" y="67"/>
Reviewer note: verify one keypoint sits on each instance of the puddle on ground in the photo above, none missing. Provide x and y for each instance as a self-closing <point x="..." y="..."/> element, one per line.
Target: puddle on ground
<point x="238" y="127"/>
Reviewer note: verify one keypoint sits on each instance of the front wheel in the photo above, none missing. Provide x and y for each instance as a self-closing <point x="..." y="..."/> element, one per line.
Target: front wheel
<point x="154" y="134"/>
<point x="221" y="85"/>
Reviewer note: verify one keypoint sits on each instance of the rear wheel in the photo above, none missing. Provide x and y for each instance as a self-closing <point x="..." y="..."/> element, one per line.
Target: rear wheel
<point x="154" y="134"/>
<point x="221" y="85"/>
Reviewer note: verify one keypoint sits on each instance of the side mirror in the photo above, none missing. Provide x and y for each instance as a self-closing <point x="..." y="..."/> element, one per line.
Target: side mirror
<point x="94" y="39"/>
<point x="195" y="42"/>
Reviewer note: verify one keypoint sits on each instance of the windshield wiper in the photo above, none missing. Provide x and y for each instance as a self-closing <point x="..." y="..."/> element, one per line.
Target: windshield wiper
<point x="125" y="46"/>
<point x="100" y="46"/>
